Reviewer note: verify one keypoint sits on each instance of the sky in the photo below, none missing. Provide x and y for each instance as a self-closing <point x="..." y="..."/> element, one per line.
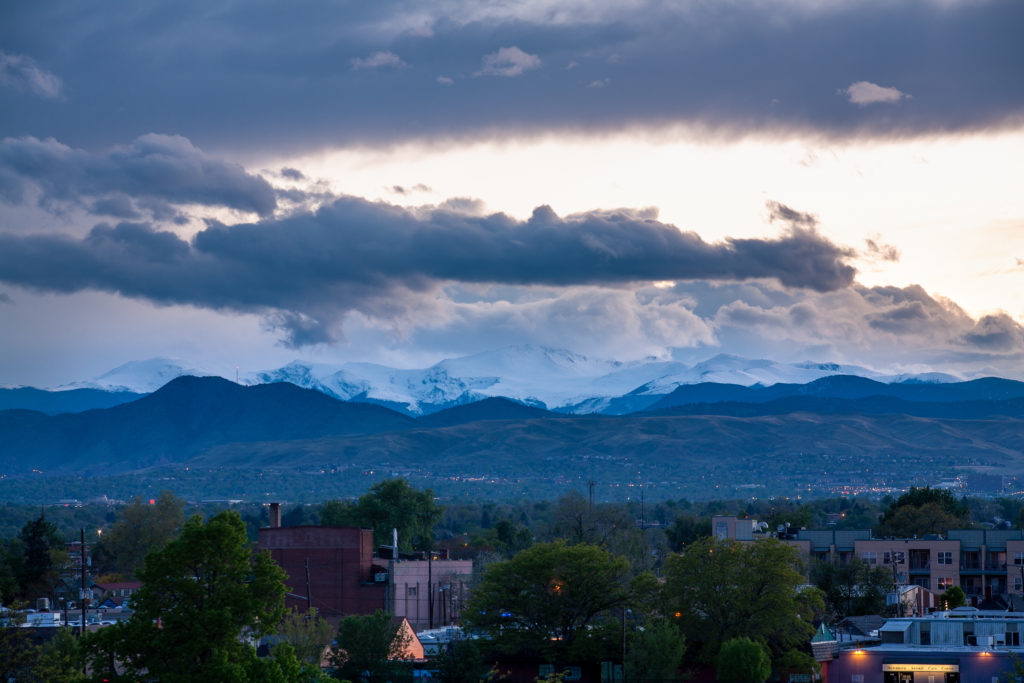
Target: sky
<point x="246" y="183"/>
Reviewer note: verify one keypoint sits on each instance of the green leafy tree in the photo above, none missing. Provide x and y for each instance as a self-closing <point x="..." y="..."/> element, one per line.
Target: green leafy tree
<point x="909" y="521"/>
<point x="11" y="560"/>
<point x="390" y="504"/>
<point x="577" y="521"/>
<point x="1015" y="673"/>
<point x="728" y="589"/>
<point x="545" y="598"/>
<point x="741" y="660"/>
<point x="370" y="648"/>
<point x="60" y="660"/>
<point x="687" y="529"/>
<point x="460" y="661"/>
<point x="852" y="588"/>
<point x="608" y="525"/>
<point x="202" y="595"/>
<point x="140" y="529"/>
<point x="508" y="537"/>
<point x="308" y="634"/>
<point x="924" y="511"/>
<point x="655" y="651"/>
<point x="953" y="597"/>
<point x="18" y="655"/>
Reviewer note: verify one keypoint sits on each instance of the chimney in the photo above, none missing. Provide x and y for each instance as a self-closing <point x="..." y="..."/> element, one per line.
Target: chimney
<point x="275" y="515"/>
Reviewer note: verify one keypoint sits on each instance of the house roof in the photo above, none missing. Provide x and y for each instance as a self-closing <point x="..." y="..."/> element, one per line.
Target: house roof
<point x="823" y="634"/>
<point x="863" y="624"/>
<point x="119" y="585"/>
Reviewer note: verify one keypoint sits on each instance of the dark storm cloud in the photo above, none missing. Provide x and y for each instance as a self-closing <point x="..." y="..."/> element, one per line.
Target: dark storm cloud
<point x="117" y="206"/>
<point x="292" y="173"/>
<point x="166" y="169"/>
<point x="258" y="74"/>
<point x="352" y="254"/>
<point x="997" y="332"/>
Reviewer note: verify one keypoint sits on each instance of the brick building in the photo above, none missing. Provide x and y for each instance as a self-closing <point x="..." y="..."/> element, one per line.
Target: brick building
<point x="342" y="577"/>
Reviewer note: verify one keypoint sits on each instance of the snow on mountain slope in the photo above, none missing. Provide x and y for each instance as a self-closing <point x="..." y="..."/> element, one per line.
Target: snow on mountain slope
<point x="538" y="375"/>
<point x="141" y="376"/>
<point x="554" y="378"/>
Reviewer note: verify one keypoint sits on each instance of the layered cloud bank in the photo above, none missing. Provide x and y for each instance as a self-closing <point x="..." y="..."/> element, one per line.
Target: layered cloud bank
<point x="353" y="255"/>
<point x="450" y="279"/>
<point x="136" y="179"/>
<point x="240" y="74"/>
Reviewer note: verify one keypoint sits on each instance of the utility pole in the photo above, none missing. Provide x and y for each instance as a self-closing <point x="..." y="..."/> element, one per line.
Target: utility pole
<point x="81" y="558"/>
<point x="430" y="589"/>
<point x="309" y="596"/>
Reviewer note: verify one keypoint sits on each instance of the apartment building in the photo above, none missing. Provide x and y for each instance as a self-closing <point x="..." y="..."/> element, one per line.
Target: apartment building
<point x="986" y="563"/>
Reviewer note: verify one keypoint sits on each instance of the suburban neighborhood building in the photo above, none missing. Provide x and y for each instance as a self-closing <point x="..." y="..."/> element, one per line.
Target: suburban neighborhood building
<point x="987" y="564"/>
<point x="964" y="645"/>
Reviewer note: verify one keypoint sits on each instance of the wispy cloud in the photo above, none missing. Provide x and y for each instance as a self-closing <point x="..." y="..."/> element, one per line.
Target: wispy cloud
<point x="378" y="60"/>
<point x="508" y="61"/>
<point x="22" y="73"/>
<point x="863" y="93"/>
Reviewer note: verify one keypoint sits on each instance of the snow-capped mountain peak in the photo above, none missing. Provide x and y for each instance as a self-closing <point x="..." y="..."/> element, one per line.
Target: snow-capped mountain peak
<point x="140" y="376"/>
<point x="554" y="378"/>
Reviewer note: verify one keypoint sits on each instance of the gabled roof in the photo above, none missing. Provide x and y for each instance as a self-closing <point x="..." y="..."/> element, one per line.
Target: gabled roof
<point x="864" y="624"/>
<point x="823" y="635"/>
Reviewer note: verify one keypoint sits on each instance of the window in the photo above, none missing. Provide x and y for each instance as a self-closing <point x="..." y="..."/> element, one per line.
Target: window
<point x="869" y="557"/>
<point x="721" y="530"/>
<point x="923" y="582"/>
<point x="945" y="557"/>
<point x="410" y="591"/>
<point x="1018" y="557"/>
<point x="945" y="582"/>
<point x="1018" y="584"/>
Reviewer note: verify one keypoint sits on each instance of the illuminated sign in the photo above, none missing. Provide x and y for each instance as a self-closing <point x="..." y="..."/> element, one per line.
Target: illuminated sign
<point x="936" y="668"/>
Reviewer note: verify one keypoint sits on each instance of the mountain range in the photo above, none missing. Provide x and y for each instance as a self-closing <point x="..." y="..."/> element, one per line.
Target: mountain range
<point x="212" y="422"/>
<point x="547" y="378"/>
<point x="520" y="413"/>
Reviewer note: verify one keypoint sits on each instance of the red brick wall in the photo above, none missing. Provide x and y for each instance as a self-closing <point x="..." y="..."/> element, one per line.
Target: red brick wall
<point x="340" y="567"/>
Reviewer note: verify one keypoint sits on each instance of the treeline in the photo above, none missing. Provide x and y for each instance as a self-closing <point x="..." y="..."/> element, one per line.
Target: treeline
<point x="567" y="581"/>
<point x="32" y="539"/>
